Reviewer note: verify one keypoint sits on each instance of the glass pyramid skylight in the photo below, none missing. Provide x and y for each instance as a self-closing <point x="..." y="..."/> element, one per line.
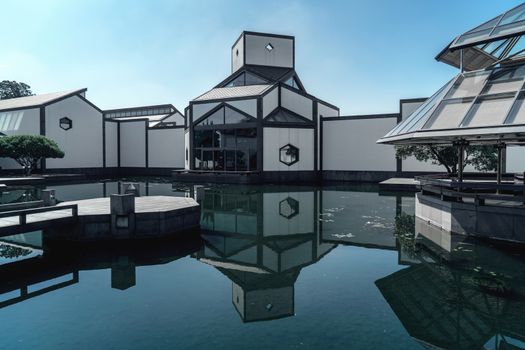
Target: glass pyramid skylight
<point x="508" y="24"/>
<point x="478" y="106"/>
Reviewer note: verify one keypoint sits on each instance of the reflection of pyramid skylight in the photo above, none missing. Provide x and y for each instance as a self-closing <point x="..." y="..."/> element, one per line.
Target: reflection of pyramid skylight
<point x="472" y="105"/>
<point x="510" y="23"/>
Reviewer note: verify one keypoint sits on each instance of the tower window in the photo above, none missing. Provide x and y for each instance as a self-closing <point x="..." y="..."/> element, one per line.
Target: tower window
<point x="237" y="53"/>
<point x="269" y="47"/>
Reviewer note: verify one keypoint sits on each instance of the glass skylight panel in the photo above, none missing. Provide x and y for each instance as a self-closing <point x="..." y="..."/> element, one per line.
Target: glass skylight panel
<point x="468" y="85"/>
<point x="215" y="118"/>
<point x="489" y="111"/>
<point x="419" y="117"/>
<point x="518" y="46"/>
<point x="514" y="15"/>
<point x="233" y="117"/>
<point x="253" y="80"/>
<point x="238" y="81"/>
<point x="449" y="114"/>
<point x="512" y="22"/>
<point x="517" y="114"/>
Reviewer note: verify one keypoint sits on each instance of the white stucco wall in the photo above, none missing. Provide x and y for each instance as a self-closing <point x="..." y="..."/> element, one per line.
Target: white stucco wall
<point x="326" y="111"/>
<point x="238" y="55"/>
<point x="175" y="118"/>
<point x="275" y="138"/>
<point x="132" y="144"/>
<point x="270" y="101"/>
<point x="111" y="144"/>
<point x="351" y="145"/>
<point x="247" y="106"/>
<point x="296" y="103"/>
<point x="82" y="144"/>
<point x="166" y="148"/>
<point x="280" y="56"/>
<point x="200" y="109"/>
<point x="21" y="122"/>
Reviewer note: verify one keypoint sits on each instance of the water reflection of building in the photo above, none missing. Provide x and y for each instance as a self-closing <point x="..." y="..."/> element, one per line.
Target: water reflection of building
<point x="359" y="216"/>
<point x="261" y="241"/>
<point x="457" y="293"/>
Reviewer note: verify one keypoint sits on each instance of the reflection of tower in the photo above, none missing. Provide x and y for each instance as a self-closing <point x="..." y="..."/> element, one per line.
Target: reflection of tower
<point x="261" y="241"/>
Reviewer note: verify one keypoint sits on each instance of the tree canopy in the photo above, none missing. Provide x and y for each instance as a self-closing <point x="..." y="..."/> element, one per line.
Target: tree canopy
<point x="482" y="158"/>
<point x="12" y="89"/>
<point x="29" y="150"/>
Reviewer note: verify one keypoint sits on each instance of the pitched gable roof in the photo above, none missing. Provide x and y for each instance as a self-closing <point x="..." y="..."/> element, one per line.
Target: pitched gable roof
<point x="37" y="100"/>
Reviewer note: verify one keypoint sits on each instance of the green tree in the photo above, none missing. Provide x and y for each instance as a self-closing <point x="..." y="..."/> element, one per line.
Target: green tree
<point x="12" y="89"/>
<point x="29" y="150"/>
<point x="482" y="158"/>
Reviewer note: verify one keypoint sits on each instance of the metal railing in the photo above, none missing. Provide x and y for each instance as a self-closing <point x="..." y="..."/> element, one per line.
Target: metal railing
<point x="480" y="190"/>
<point x="22" y="214"/>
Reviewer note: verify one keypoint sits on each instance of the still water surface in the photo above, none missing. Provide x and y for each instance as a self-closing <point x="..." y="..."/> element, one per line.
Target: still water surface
<point x="274" y="267"/>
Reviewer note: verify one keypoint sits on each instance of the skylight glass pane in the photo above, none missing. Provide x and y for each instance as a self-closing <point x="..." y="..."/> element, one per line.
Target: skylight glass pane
<point x="520" y="45"/>
<point x="233" y="117"/>
<point x="473" y="37"/>
<point x="214" y="119"/>
<point x="505" y="80"/>
<point x="292" y="82"/>
<point x="517" y="114"/>
<point x="491" y="47"/>
<point x="282" y="116"/>
<point x="509" y="28"/>
<point x="254" y="80"/>
<point x="449" y="114"/>
<point x="504" y="86"/>
<point x="468" y="86"/>
<point x="420" y="115"/>
<point x="487" y="25"/>
<point x="238" y="81"/>
<point x="514" y="15"/>
<point x="500" y="49"/>
<point x="489" y="111"/>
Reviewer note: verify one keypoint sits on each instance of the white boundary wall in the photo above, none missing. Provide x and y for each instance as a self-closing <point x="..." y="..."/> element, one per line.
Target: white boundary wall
<point x="350" y="145"/>
<point x="133" y="144"/>
<point x="166" y="148"/>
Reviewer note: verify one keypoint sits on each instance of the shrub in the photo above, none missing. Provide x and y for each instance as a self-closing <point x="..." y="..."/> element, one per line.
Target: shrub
<point x="29" y="150"/>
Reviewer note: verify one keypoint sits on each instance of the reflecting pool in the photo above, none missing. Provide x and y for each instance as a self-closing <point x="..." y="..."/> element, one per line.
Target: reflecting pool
<point x="273" y="267"/>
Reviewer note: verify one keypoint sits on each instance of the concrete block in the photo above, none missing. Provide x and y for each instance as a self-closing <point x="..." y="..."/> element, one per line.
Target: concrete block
<point x="48" y="196"/>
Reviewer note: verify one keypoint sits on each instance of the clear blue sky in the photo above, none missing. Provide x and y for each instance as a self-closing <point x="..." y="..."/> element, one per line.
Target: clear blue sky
<point x="360" y="55"/>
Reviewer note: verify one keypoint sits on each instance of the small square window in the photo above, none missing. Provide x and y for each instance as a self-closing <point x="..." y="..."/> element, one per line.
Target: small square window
<point x="269" y="47"/>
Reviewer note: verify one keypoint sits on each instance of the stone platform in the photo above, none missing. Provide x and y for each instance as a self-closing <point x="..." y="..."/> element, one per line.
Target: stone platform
<point x="150" y="217"/>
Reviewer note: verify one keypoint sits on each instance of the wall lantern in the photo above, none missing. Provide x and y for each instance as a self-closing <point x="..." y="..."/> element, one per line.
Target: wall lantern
<point x="289" y="154"/>
<point x="65" y="123"/>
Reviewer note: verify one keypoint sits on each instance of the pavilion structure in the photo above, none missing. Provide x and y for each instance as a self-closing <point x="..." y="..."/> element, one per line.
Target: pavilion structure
<point x="482" y="105"/>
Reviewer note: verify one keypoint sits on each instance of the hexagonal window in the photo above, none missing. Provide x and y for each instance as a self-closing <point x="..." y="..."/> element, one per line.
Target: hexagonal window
<point x="289" y="154"/>
<point x="288" y="207"/>
<point x="65" y="123"/>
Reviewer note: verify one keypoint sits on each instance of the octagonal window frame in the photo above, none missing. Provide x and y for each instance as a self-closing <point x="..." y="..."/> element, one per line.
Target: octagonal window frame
<point x="65" y="123"/>
<point x="293" y="161"/>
